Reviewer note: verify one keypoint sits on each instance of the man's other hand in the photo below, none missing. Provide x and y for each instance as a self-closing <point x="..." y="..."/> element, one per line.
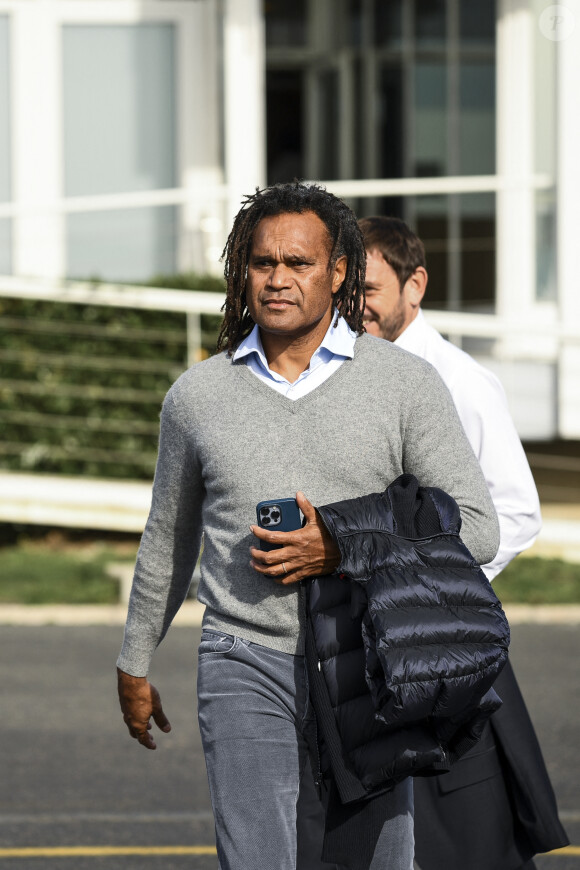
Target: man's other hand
<point x="307" y="552"/>
<point x="140" y="702"/>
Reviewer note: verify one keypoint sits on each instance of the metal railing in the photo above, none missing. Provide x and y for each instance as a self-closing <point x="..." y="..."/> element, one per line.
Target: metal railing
<point x="79" y="429"/>
<point x="351" y="188"/>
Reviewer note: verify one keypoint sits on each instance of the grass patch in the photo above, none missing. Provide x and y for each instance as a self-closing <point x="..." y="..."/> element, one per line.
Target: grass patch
<point x="33" y="573"/>
<point x="65" y="569"/>
<point x="532" y="580"/>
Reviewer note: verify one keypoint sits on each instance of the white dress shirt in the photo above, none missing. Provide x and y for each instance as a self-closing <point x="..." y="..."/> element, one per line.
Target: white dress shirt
<point x="336" y="346"/>
<point x="482" y="407"/>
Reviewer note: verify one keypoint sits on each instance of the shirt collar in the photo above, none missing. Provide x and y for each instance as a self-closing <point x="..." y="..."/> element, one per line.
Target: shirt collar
<point x="411" y="337"/>
<point x="339" y="340"/>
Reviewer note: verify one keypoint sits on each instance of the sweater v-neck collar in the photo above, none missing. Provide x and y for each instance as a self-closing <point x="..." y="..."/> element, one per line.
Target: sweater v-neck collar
<point x="294" y="406"/>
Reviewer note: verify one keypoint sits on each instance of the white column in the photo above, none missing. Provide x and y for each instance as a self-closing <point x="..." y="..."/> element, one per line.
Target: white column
<point x="39" y="248"/>
<point x="244" y="90"/>
<point x="568" y="222"/>
<point x="515" y="233"/>
<point x="204" y="229"/>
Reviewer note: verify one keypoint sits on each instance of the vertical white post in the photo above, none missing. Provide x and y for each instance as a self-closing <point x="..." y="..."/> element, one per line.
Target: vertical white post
<point x="568" y="219"/>
<point x="515" y="234"/>
<point x="39" y="243"/>
<point x="203" y="232"/>
<point x="244" y="87"/>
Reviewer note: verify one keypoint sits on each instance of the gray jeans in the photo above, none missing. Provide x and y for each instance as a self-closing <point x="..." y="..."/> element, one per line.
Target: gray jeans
<point x="255" y="718"/>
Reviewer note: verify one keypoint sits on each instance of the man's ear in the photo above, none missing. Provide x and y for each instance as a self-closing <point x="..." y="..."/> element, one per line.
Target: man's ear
<point x="339" y="274"/>
<point x="416" y="286"/>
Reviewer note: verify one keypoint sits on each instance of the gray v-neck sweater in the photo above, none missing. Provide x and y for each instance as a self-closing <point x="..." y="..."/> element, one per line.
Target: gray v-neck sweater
<point x="229" y="441"/>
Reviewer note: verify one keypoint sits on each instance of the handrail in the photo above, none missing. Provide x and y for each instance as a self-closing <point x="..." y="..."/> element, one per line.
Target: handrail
<point x="448" y="184"/>
<point x="112" y="201"/>
<point x="361" y="187"/>
<point x="109" y="501"/>
<point x="114" y="295"/>
<point x="470" y="324"/>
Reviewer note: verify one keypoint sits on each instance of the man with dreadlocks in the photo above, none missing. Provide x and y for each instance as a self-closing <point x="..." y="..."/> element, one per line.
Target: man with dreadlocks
<point x="299" y="398"/>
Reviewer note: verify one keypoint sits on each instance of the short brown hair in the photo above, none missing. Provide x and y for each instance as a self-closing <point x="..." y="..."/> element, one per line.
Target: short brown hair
<point x="400" y="246"/>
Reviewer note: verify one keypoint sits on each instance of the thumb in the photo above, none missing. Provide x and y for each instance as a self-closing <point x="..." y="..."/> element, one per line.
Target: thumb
<point x="306" y="507"/>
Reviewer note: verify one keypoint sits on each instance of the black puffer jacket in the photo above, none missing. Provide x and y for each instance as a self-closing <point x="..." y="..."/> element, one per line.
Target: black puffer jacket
<point x="402" y="661"/>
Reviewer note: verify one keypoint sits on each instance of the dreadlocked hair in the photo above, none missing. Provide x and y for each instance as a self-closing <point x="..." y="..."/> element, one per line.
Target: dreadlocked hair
<point x="296" y="198"/>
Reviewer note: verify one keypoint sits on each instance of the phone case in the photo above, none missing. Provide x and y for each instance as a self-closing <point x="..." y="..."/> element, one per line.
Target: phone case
<point x="280" y="515"/>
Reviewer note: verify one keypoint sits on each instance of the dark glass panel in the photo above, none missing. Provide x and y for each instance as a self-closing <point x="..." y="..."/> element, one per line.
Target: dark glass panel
<point x="391" y="133"/>
<point x="328" y="162"/>
<point x="477" y="118"/>
<point x="354" y="23"/>
<point x="358" y="132"/>
<point x="388" y="22"/>
<point x="477" y="263"/>
<point x="284" y="127"/>
<point x="391" y="122"/>
<point x="477" y="20"/>
<point x="286" y="22"/>
<point x="430" y="120"/>
<point x="430" y="21"/>
<point x="434" y="233"/>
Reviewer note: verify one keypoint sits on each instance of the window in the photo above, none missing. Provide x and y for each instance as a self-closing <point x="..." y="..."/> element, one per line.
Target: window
<point x="5" y="157"/>
<point x="411" y="94"/>
<point x="119" y="136"/>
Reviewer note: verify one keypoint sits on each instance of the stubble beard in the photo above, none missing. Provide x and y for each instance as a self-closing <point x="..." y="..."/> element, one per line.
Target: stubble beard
<point x="392" y="326"/>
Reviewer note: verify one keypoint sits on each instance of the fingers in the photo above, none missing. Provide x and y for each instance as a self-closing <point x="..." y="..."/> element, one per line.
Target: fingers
<point x="145" y="739"/>
<point x="270" y="537"/>
<point x="284" y="550"/>
<point x="158" y="715"/>
<point x="139" y="731"/>
<point x="272" y="557"/>
<point x="272" y="563"/>
<point x="286" y="565"/>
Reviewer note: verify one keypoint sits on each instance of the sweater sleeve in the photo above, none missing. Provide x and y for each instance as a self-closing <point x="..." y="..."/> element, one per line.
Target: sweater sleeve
<point x="437" y="452"/>
<point x="170" y="544"/>
<point x="483" y="409"/>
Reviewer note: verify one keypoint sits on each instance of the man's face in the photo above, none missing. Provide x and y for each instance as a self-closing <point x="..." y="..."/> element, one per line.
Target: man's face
<point x="290" y="287"/>
<point x="387" y="311"/>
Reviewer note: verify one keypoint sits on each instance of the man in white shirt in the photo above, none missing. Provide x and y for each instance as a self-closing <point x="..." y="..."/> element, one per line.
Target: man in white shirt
<point x="466" y="818"/>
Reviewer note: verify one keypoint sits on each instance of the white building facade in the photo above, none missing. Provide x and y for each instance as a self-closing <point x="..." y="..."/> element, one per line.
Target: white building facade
<point x="131" y="129"/>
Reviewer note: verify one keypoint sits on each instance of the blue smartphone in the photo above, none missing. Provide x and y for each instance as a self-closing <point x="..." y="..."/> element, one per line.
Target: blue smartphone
<point x="280" y="515"/>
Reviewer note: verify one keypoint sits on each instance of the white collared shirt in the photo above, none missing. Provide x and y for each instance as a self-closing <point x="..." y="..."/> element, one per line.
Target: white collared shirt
<point x="336" y="346"/>
<point x="483" y="410"/>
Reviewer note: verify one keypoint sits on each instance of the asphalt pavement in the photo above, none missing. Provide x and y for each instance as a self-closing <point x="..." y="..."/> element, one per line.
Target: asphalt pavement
<point x="82" y="795"/>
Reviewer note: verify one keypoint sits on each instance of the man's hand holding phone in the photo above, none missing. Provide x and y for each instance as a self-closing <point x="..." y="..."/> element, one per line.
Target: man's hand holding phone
<point x="305" y="552"/>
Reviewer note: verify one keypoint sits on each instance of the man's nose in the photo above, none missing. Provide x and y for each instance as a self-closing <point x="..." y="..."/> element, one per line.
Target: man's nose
<point x="280" y="276"/>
